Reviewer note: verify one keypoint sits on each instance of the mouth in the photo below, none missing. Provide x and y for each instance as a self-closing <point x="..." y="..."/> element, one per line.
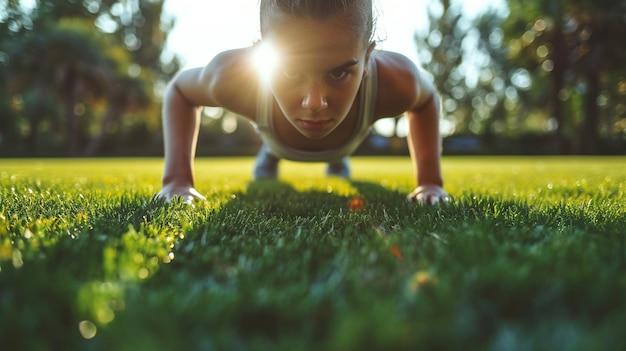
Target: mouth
<point x="315" y="124"/>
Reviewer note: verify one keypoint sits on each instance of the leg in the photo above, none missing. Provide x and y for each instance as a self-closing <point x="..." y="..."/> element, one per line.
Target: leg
<point x="266" y="164"/>
<point x="339" y="169"/>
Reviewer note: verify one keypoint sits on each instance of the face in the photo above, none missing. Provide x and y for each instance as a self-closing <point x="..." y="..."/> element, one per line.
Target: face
<point x="320" y="68"/>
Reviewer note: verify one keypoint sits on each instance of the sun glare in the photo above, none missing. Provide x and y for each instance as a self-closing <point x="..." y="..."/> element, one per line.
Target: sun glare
<point x="265" y="60"/>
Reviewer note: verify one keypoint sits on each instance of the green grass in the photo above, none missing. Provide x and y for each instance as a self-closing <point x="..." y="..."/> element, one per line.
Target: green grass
<point x="529" y="255"/>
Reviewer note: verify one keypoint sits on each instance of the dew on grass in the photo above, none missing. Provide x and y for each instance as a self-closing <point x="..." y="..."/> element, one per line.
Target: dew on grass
<point x="87" y="329"/>
<point x="166" y="259"/>
<point x="143" y="273"/>
<point x="421" y="278"/>
<point x="16" y="258"/>
<point x="105" y="315"/>
<point x="6" y="251"/>
<point x="138" y="258"/>
<point x="118" y="305"/>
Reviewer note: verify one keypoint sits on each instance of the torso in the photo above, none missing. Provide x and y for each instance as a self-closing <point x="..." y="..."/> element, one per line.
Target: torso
<point x="396" y="93"/>
<point x="287" y="142"/>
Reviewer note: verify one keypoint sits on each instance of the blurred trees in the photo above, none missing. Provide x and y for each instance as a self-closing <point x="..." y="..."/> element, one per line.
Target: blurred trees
<point x="71" y="70"/>
<point x="83" y="77"/>
<point x="551" y="68"/>
<point x="467" y="59"/>
<point x="576" y="49"/>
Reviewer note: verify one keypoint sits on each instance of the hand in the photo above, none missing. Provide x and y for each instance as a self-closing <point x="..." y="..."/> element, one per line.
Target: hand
<point x="187" y="193"/>
<point x="429" y="194"/>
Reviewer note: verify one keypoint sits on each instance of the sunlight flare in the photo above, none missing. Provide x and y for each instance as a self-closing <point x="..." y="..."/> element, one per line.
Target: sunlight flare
<point x="265" y="60"/>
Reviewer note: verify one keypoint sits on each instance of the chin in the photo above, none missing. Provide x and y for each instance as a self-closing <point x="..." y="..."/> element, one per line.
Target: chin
<point x="314" y="136"/>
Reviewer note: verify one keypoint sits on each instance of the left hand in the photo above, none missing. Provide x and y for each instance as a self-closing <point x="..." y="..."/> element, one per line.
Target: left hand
<point x="429" y="194"/>
<point x="188" y="193"/>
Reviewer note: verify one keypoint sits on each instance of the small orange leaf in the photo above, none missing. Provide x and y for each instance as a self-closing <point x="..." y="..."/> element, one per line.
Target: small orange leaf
<point x="356" y="203"/>
<point x="395" y="250"/>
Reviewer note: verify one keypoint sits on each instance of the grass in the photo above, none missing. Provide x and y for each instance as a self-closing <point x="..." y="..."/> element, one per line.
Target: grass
<point x="529" y="255"/>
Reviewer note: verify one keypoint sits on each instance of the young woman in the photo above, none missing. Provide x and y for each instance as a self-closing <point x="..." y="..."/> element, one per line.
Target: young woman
<point x="315" y="103"/>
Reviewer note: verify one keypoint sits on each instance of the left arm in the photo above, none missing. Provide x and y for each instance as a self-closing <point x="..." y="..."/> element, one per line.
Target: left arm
<point x="404" y="88"/>
<point x="425" y="150"/>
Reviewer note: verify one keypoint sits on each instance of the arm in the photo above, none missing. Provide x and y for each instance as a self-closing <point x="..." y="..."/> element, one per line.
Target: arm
<point x="221" y="83"/>
<point x="402" y="88"/>
<point x="425" y="149"/>
<point x="181" y="121"/>
<point x="425" y="143"/>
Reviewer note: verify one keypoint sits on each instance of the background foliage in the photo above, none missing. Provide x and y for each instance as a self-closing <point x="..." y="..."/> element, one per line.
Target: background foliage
<point x="84" y="78"/>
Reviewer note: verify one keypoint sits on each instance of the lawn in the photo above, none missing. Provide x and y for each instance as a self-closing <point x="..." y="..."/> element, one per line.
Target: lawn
<point x="530" y="254"/>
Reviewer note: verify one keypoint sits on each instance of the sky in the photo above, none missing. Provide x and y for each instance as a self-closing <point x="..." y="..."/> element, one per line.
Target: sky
<point x="204" y="28"/>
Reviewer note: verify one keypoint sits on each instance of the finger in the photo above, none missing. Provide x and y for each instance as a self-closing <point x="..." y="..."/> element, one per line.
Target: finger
<point x="432" y="199"/>
<point x="196" y="194"/>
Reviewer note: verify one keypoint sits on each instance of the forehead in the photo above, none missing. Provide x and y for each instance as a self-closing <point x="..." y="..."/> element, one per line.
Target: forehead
<point x="302" y="39"/>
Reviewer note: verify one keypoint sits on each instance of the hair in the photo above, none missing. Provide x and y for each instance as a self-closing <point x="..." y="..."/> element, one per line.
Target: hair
<point x="359" y="13"/>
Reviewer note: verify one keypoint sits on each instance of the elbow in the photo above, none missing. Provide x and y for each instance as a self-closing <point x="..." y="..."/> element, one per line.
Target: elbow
<point x="175" y="93"/>
<point x="430" y="103"/>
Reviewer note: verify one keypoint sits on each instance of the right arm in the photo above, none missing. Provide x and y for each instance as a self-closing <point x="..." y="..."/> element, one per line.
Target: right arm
<point x="219" y="84"/>
<point x="181" y="123"/>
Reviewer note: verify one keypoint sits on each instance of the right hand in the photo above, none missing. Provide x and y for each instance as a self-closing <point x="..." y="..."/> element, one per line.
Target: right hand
<point x="187" y="193"/>
<point x="429" y="194"/>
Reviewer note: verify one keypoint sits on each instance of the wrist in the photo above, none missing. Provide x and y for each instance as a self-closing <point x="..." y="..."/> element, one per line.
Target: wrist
<point x="177" y="180"/>
<point x="429" y="172"/>
<point x="430" y="181"/>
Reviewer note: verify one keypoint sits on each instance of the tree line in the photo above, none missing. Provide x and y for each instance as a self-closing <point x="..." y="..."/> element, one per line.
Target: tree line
<point x="85" y="78"/>
<point x="545" y="72"/>
<point x="78" y="75"/>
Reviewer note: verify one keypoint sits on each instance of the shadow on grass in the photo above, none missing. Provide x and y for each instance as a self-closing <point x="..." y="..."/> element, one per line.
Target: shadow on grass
<point x="275" y="266"/>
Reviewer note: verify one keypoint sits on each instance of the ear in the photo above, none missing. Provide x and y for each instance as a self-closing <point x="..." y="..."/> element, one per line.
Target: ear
<point x="368" y="55"/>
<point x="370" y="49"/>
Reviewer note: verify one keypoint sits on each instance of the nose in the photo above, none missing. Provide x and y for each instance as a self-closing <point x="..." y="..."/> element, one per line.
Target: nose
<point x="314" y="100"/>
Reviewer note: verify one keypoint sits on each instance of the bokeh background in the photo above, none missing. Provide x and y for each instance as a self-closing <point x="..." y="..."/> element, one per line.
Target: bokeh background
<point x="84" y="78"/>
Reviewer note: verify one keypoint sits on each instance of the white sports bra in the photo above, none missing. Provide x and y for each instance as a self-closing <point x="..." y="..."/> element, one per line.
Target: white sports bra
<point x="367" y="104"/>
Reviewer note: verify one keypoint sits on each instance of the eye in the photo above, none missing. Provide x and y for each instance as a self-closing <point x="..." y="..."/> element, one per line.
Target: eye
<point x="338" y="75"/>
<point x="289" y="74"/>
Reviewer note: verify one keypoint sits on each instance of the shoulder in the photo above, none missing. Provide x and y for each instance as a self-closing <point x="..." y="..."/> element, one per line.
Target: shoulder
<point x="232" y="80"/>
<point x="402" y="84"/>
<point x="228" y="81"/>
<point x="225" y="61"/>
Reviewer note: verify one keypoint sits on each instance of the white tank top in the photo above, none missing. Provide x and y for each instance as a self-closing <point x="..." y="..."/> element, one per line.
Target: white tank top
<point x="367" y="104"/>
